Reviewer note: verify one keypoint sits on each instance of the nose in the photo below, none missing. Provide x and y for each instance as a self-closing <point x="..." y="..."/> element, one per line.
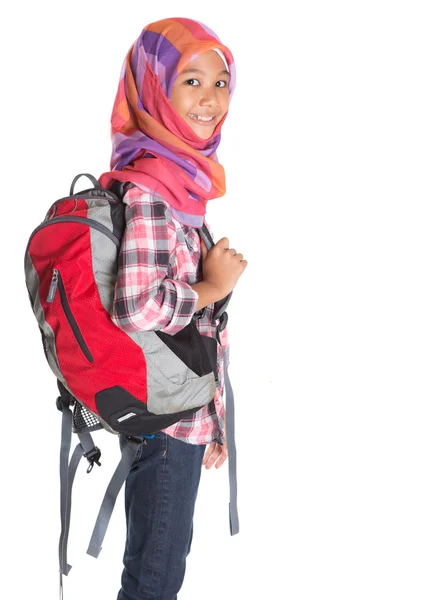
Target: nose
<point x="208" y="97"/>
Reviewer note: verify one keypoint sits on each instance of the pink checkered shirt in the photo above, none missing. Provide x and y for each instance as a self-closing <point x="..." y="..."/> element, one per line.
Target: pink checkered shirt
<point x="158" y="262"/>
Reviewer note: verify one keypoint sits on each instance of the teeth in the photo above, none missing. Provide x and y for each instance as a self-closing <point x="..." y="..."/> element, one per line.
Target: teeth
<point x="200" y="118"/>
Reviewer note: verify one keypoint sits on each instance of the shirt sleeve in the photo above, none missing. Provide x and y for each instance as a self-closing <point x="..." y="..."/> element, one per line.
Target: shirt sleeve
<point x="145" y="297"/>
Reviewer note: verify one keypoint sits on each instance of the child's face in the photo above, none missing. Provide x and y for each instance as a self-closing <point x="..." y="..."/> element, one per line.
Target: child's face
<point x="202" y="90"/>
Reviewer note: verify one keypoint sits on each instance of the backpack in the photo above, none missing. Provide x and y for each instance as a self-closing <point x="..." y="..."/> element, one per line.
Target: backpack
<point x="134" y="384"/>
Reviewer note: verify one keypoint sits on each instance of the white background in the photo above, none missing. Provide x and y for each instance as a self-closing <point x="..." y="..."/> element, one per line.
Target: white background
<point x="325" y="155"/>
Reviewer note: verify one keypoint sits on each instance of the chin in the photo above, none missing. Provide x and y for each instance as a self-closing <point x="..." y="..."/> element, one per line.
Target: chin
<point x="204" y="134"/>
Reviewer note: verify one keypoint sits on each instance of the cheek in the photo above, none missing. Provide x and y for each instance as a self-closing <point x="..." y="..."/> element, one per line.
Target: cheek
<point x="181" y="101"/>
<point x="225" y="102"/>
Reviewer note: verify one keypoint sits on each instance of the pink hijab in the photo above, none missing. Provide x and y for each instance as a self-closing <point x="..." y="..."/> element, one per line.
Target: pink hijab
<point x="152" y="145"/>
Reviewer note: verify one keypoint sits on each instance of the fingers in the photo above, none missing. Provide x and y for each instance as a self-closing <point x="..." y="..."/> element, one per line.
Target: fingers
<point x="215" y="453"/>
<point x="211" y="454"/>
<point x="239" y="258"/>
<point x="223" y="243"/>
<point x="208" y="452"/>
<point x="224" y="455"/>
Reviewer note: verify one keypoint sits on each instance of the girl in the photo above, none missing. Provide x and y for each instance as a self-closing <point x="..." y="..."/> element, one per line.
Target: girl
<point x="176" y="84"/>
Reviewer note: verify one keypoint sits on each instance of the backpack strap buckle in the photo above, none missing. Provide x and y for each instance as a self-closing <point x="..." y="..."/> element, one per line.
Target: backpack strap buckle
<point x="62" y="401"/>
<point x="92" y="457"/>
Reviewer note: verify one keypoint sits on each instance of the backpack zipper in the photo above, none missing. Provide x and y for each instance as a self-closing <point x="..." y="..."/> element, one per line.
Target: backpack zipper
<point x="57" y="283"/>
<point x="53" y="286"/>
<point x="83" y="221"/>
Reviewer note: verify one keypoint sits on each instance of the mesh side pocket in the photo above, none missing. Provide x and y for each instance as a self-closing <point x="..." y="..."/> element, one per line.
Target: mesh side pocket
<point x="83" y="420"/>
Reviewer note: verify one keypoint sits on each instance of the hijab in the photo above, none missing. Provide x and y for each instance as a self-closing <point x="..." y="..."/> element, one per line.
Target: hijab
<point x="153" y="146"/>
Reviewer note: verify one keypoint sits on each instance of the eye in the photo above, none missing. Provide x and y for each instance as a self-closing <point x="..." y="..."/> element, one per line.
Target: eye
<point x="222" y="81"/>
<point x="188" y="81"/>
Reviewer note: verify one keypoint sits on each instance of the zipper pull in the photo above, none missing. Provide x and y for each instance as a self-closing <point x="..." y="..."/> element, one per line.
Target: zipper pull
<point x="53" y="286"/>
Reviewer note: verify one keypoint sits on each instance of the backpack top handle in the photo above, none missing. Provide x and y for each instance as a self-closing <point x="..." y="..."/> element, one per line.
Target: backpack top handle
<point x="89" y="176"/>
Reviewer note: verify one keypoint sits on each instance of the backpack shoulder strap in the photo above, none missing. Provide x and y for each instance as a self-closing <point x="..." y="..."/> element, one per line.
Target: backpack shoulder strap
<point x="205" y="234"/>
<point x="119" y="188"/>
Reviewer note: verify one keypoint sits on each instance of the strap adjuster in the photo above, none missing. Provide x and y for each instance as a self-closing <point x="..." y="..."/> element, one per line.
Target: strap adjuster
<point x="62" y="401"/>
<point x="93" y="456"/>
<point x="222" y="321"/>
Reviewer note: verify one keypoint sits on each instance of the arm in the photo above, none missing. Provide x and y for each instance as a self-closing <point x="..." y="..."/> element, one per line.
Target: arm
<point x="145" y="298"/>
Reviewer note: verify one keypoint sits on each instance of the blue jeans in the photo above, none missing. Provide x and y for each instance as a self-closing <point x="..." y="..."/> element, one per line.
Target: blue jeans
<point x="160" y="494"/>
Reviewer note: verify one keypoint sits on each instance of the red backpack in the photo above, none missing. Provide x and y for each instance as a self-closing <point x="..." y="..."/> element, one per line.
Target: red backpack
<point x="135" y="384"/>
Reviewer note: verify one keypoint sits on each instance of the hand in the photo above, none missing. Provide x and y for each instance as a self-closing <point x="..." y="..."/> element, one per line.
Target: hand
<point x="215" y="452"/>
<point x="222" y="266"/>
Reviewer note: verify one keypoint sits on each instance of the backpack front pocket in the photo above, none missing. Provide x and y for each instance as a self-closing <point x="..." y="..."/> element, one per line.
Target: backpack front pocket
<point x="57" y="284"/>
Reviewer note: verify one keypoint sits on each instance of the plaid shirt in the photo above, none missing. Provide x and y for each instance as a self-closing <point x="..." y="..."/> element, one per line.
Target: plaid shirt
<point x="159" y="260"/>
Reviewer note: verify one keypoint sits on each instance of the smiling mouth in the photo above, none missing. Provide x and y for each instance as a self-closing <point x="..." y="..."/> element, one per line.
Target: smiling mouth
<point x="202" y="120"/>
